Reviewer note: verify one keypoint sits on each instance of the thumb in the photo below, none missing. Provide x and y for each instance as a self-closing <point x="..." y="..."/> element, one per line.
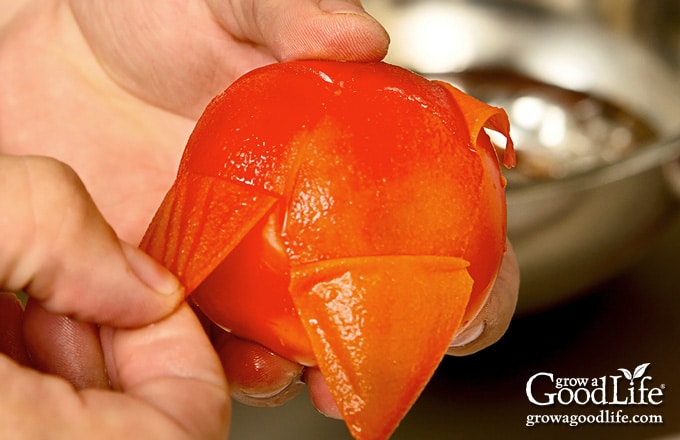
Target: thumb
<point x="58" y="248"/>
<point x="304" y="29"/>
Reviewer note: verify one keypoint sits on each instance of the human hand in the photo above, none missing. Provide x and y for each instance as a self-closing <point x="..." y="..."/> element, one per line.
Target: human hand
<point x="92" y="298"/>
<point x="118" y="86"/>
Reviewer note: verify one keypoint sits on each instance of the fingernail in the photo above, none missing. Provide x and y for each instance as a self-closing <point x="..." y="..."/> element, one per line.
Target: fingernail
<point x="468" y="335"/>
<point x="341" y="7"/>
<point x="270" y="398"/>
<point x="331" y="411"/>
<point x="150" y="272"/>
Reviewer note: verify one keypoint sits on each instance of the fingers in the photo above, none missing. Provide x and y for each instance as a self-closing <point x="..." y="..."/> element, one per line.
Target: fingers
<point x="494" y="318"/>
<point x="320" y="394"/>
<point x="64" y="347"/>
<point x="172" y="381"/>
<point x="178" y="55"/>
<point x="172" y="367"/>
<point x="306" y="29"/>
<point x="257" y="376"/>
<point x="59" y="249"/>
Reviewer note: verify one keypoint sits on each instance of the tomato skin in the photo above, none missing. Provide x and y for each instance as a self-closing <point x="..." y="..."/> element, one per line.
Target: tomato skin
<point x="314" y="197"/>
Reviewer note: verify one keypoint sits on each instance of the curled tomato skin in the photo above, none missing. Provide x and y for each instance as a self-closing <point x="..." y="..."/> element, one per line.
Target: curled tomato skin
<point x="341" y="214"/>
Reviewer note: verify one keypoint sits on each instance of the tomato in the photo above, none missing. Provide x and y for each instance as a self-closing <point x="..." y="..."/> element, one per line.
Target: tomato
<point x="345" y="215"/>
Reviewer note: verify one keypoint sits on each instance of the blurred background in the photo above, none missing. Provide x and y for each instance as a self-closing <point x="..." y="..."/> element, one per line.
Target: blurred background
<point x="593" y="91"/>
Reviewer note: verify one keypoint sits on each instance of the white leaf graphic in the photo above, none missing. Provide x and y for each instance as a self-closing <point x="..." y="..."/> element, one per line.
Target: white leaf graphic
<point x="640" y="370"/>
<point x="626" y="373"/>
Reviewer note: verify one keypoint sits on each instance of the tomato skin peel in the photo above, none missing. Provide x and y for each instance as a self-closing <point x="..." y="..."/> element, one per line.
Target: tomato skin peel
<point x="341" y="214"/>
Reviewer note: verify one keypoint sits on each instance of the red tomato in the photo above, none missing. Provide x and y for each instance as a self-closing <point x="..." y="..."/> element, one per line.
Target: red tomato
<point x="345" y="215"/>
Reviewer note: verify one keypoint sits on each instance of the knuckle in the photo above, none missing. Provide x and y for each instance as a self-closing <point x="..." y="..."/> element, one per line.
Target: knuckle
<point x="49" y="205"/>
<point x="60" y="202"/>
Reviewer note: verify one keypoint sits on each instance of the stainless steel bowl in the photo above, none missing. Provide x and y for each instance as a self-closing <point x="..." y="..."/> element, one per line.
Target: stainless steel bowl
<point x="595" y="111"/>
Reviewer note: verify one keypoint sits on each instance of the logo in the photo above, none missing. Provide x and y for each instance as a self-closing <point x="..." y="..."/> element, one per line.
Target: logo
<point x="625" y="389"/>
<point x="629" y="388"/>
